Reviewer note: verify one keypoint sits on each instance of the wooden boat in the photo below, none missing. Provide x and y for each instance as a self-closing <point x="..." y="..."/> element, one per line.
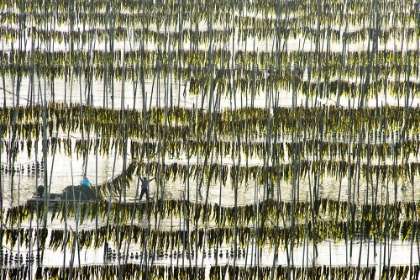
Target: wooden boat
<point x="71" y="193"/>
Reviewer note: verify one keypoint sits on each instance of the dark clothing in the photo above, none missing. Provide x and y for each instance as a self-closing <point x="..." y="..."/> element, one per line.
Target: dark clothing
<point x="145" y="183"/>
<point x="145" y="187"/>
<point x="40" y="190"/>
<point x="144" y="191"/>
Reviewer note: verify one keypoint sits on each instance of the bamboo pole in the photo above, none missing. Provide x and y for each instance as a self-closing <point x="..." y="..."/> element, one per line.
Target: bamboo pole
<point x="362" y="238"/>
<point x="219" y="217"/>
<point x="306" y="241"/>
<point x="279" y="213"/>
<point x="3" y="66"/>
<point x="65" y="236"/>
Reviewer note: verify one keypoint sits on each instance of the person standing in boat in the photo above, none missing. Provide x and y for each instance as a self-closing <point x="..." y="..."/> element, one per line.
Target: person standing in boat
<point x="85" y="182"/>
<point x="145" y="187"/>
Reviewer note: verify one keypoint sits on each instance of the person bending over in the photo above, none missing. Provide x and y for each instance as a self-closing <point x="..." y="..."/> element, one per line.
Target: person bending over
<point x="85" y="182"/>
